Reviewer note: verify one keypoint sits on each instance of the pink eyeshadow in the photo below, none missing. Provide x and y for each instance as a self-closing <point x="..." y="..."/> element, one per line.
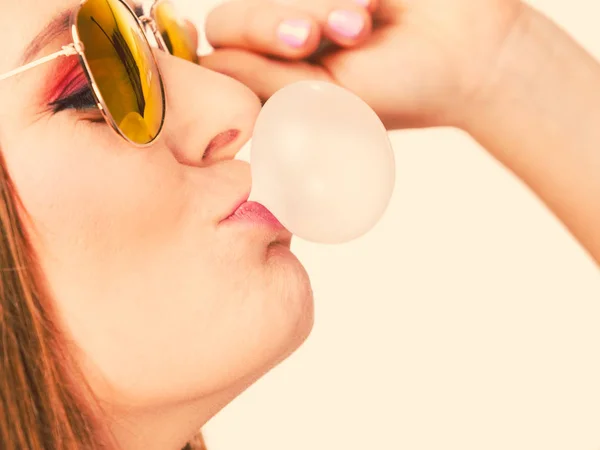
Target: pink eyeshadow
<point x="66" y="80"/>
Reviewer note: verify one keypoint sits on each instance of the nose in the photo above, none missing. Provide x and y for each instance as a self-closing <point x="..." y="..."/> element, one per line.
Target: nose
<point x="209" y="116"/>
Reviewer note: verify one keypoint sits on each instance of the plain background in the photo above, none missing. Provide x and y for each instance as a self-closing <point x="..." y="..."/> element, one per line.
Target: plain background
<point x="468" y="319"/>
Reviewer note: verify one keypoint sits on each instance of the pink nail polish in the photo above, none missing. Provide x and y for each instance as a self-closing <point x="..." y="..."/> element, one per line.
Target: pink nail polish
<point x="347" y="23"/>
<point x="294" y="32"/>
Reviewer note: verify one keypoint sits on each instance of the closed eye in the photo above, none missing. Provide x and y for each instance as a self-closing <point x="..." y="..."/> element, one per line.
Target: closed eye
<point x="81" y="100"/>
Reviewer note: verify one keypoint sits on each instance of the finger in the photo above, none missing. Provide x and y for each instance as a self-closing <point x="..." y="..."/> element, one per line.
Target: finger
<point x="268" y="28"/>
<point x="348" y="24"/>
<point x="250" y="69"/>
<point x="370" y="5"/>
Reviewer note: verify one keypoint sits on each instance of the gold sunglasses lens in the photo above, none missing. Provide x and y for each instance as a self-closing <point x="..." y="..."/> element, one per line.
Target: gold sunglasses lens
<point x="122" y="68"/>
<point x="175" y="32"/>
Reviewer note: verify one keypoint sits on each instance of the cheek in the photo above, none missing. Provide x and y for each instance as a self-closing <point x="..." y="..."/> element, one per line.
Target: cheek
<point x="94" y="196"/>
<point x="209" y="320"/>
<point x="143" y="284"/>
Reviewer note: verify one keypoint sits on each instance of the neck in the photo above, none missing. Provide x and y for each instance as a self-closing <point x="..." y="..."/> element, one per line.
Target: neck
<point x="166" y="428"/>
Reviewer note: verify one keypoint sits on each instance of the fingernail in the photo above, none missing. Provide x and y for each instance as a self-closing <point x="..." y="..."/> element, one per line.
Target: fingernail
<point x="364" y="3"/>
<point x="347" y="23"/>
<point x="294" y="32"/>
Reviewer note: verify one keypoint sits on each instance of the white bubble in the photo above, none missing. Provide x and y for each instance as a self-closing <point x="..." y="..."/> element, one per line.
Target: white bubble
<point x="322" y="162"/>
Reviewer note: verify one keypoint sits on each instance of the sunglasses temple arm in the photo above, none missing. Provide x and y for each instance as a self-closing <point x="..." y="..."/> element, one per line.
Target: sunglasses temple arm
<point x="68" y="50"/>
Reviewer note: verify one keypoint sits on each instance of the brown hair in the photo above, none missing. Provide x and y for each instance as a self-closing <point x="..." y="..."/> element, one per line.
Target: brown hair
<point x="45" y="403"/>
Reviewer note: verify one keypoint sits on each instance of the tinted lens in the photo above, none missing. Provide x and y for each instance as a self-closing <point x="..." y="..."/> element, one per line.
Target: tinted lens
<point x="122" y="66"/>
<point x="174" y="31"/>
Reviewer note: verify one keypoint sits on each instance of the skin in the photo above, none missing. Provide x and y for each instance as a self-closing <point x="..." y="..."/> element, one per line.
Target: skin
<point x="171" y="313"/>
<point x="415" y="62"/>
<point x="492" y="68"/>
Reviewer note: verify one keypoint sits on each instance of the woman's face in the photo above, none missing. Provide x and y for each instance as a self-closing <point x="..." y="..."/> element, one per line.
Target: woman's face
<point x="165" y="301"/>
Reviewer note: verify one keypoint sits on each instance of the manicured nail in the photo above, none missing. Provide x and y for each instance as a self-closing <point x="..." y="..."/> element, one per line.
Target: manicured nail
<point x="364" y="3"/>
<point x="347" y="23"/>
<point x="294" y="32"/>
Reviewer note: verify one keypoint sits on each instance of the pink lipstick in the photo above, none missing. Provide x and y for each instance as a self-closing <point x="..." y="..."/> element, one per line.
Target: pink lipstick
<point x="254" y="212"/>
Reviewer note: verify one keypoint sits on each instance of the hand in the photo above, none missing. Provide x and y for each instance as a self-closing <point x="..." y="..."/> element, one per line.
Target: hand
<point x="416" y="62"/>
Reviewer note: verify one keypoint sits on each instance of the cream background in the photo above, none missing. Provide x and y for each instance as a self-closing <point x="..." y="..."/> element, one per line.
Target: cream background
<point x="467" y="320"/>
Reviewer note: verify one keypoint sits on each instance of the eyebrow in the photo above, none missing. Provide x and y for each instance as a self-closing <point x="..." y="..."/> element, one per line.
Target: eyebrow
<point x="58" y="25"/>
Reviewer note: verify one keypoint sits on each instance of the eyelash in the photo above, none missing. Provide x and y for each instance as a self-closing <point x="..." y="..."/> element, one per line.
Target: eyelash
<point x="81" y="100"/>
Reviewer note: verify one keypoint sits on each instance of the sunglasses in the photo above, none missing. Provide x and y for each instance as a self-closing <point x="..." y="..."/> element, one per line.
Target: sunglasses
<point x="114" y="49"/>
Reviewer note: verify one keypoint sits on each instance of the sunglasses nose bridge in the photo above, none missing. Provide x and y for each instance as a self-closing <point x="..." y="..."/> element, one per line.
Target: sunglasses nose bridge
<point x="149" y="24"/>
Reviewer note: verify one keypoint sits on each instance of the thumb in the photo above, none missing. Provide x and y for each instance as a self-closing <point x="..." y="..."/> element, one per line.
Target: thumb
<point x="263" y="75"/>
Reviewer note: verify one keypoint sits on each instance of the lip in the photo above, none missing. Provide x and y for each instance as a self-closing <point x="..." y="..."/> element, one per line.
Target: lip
<point x="254" y="213"/>
<point x="238" y="204"/>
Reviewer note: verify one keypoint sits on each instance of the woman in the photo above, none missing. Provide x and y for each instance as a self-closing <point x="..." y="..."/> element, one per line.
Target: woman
<point x="134" y="306"/>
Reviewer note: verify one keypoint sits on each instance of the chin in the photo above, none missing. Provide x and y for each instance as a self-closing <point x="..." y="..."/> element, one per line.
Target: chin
<point x="295" y="306"/>
<point x="266" y="315"/>
<point x="281" y="319"/>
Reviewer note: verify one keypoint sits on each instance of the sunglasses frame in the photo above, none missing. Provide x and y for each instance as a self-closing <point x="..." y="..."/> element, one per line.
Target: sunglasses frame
<point x="146" y="23"/>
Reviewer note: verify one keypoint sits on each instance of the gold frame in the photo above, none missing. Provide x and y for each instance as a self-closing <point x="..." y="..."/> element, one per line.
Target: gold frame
<point x="149" y="15"/>
<point x="76" y="48"/>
